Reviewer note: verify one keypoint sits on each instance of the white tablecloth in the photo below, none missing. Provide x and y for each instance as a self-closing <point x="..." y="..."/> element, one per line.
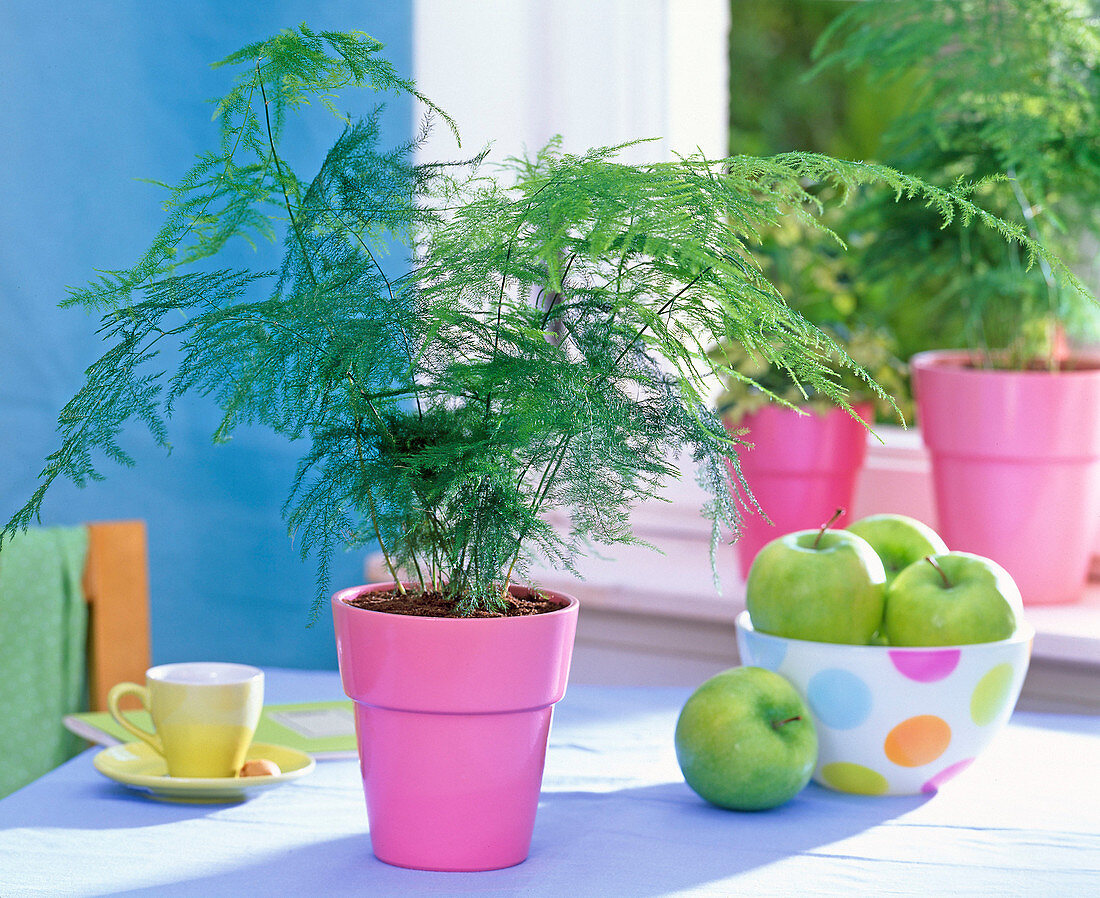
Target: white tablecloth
<point x="615" y="819"/>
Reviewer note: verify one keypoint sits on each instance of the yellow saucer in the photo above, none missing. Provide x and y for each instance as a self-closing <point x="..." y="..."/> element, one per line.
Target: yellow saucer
<point x="136" y="765"/>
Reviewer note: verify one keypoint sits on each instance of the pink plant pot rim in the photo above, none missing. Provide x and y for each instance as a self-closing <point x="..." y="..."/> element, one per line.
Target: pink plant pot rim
<point x="453" y="664"/>
<point x="959" y="363"/>
<point x="344" y="595"/>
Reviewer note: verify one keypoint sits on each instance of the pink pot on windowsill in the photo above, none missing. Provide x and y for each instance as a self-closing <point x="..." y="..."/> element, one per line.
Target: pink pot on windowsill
<point x="1015" y="466"/>
<point x="452" y="719"/>
<point x="801" y="468"/>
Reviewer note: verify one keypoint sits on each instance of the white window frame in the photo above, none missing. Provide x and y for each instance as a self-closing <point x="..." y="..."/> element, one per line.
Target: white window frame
<point x="514" y="73"/>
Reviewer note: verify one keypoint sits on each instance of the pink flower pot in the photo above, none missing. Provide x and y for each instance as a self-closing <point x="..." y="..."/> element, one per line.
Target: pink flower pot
<point x="1015" y="466"/>
<point x="800" y="468"/>
<point x="452" y="719"/>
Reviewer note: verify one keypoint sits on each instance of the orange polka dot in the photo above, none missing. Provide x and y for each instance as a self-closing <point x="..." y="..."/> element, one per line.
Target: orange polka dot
<point x="918" y="740"/>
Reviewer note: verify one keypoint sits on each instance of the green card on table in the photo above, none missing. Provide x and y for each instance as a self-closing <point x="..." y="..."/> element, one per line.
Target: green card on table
<point x="325" y="730"/>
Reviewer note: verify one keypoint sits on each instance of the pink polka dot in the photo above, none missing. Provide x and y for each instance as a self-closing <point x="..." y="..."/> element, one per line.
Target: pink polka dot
<point x="926" y="666"/>
<point x="944" y="775"/>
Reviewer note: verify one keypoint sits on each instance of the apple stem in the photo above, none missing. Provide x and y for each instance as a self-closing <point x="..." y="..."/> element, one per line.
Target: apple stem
<point x="827" y="524"/>
<point x="776" y="724"/>
<point x="932" y="561"/>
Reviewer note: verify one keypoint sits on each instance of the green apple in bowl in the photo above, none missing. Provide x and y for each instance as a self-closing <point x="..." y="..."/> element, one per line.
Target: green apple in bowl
<point x="953" y="598"/>
<point x="745" y="740"/>
<point x="821" y="585"/>
<point x="899" y="540"/>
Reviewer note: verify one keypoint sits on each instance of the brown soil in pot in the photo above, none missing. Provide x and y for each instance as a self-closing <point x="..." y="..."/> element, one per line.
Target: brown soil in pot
<point x="435" y="604"/>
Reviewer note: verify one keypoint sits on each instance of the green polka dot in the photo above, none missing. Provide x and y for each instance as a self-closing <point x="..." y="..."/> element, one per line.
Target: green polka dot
<point x="846" y="777"/>
<point x="991" y="694"/>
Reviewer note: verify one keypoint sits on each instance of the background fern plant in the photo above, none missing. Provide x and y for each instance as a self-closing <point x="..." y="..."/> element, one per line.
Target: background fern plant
<point x="1000" y="98"/>
<point x="545" y="347"/>
<point x="813" y="272"/>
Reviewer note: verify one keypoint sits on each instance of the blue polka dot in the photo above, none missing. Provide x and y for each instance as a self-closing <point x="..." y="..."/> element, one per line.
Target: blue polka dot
<point x="839" y="699"/>
<point x="766" y="653"/>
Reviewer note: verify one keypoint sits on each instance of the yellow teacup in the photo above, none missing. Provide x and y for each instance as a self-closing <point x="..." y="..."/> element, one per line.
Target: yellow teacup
<point x="204" y="714"/>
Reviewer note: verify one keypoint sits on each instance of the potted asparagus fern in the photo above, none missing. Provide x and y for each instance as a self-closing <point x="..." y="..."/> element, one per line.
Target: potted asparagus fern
<point x="443" y="411"/>
<point x="1002" y="96"/>
<point x="803" y="452"/>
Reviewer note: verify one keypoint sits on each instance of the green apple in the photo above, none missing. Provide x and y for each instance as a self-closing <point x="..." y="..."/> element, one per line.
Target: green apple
<point x="954" y="598"/>
<point x="821" y="585"/>
<point x="745" y="740"/>
<point x="899" y="540"/>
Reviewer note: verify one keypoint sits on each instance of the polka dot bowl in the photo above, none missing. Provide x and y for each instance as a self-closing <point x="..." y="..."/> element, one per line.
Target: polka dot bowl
<point x="896" y="721"/>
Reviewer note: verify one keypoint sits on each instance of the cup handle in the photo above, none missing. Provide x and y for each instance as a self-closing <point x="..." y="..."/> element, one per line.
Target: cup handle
<point x="142" y="694"/>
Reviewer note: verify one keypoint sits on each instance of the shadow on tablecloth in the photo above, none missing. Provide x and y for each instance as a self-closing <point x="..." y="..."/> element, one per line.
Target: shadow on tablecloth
<point x="645" y="841"/>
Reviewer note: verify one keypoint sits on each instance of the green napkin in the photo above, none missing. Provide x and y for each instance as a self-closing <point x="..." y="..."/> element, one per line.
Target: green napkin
<point x="43" y="628"/>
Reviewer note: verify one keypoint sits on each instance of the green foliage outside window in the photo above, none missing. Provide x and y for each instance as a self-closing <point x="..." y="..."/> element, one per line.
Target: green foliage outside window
<point x="1000" y="98"/>
<point x="545" y="347"/>
<point x="774" y="107"/>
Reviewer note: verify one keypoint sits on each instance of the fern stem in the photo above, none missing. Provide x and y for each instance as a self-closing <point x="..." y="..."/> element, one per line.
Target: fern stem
<point x="504" y="279"/>
<point x="665" y="307"/>
<point x="416" y="565"/>
<point x="1044" y="267"/>
<point x="378" y="536"/>
<point x="301" y="240"/>
<point x="373" y="508"/>
<point x="282" y="181"/>
<point x="389" y="289"/>
<point x="541" y="492"/>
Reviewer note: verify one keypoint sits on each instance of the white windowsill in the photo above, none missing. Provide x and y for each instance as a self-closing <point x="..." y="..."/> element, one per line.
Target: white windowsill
<point x="679" y="583"/>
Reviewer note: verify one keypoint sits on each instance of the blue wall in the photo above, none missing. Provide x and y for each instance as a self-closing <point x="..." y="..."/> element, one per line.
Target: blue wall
<point x="93" y="97"/>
